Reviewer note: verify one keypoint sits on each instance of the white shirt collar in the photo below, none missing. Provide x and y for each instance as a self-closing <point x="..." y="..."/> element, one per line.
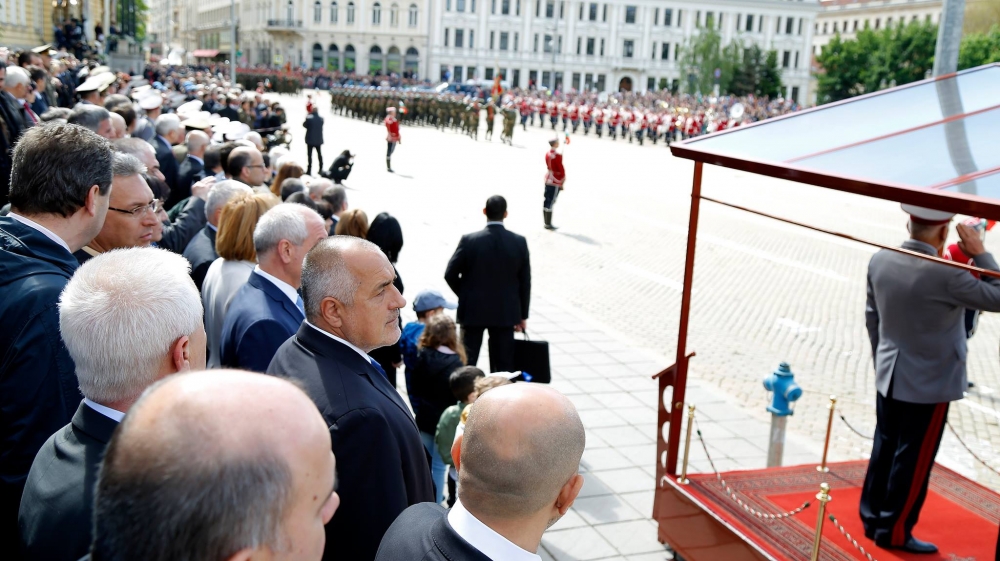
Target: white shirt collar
<point x="106" y="411"/>
<point x="35" y="225"/>
<point x="197" y="159"/>
<point x="483" y="538"/>
<point x="363" y="354"/>
<point x="495" y="223"/>
<point x="213" y="227"/>
<point x="285" y="288"/>
<point x="20" y="102"/>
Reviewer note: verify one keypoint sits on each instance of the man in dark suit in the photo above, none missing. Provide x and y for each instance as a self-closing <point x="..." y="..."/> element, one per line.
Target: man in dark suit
<point x="352" y="308"/>
<point x="520" y="461"/>
<point x="232" y="109"/>
<point x="314" y="139"/>
<point x="55" y="166"/>
<point x="267" y="310"/>
<point x="168" y="133"/>
<point x="490" y="272"/>
<point x="190" y="169"/>
<point x="155" y="300"/>
<point x="200" y="252"/>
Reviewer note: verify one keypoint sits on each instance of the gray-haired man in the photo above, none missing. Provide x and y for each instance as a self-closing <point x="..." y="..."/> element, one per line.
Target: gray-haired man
<point x="201" y="250"/>
<point x="154" y="329"/>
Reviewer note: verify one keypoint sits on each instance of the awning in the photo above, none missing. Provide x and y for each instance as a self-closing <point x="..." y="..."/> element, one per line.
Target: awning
<point x="931" y="143"/>
<point x="205" y="53"/>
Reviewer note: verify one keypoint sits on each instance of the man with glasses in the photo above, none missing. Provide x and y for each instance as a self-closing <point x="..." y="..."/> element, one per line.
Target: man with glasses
<point x="246" y="164"/>
<point x="132" y="218"/>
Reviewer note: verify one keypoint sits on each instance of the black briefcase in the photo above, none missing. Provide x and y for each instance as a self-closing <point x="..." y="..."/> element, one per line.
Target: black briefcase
<point x="532" y="359"/>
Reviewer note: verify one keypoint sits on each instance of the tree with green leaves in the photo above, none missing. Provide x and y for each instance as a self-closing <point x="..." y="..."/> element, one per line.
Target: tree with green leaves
<point x="978" y="49"/>
<point x="742" y="71"/>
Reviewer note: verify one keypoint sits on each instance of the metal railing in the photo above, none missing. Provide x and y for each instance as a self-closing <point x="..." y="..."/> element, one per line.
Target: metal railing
<point x="285" y="23"/>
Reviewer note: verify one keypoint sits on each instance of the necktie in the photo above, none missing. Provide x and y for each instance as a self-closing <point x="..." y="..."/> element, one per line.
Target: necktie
<point x="379" y="368"/>
<point x="300" y="305"/>
<point x="31" y="114"/>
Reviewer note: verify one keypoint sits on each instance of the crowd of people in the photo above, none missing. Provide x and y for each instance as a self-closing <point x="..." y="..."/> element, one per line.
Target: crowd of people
<point x="203" y="339"/>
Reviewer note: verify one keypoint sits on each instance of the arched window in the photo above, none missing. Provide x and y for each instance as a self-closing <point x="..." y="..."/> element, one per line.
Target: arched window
<point x="290" y="12"/>
<point x="413" y="15"/>
<point x="393" y="61"/>
<point x="350" y="13"/>
<point x="350" y="57"/>
<point x="375" y="65"/>
<point x="317" y="55"/>
<point x="333" y="12"/>
<point x="333" y="58"/>
<point x="317" y="13"/>
<point x="376" y="14"/>
<point x="412" y="61"/>
<point x="394" y="15"/>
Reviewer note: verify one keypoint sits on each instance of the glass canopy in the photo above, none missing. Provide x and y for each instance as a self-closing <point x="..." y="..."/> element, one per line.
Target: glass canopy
<point x="935" y="143"/>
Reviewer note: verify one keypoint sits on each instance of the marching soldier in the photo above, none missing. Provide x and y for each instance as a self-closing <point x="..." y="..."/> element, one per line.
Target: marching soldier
<point x="915" y="319"/>
<point x="509" y="120"/>
<point x="555" y="177"/>
<point x="490" y="115"/>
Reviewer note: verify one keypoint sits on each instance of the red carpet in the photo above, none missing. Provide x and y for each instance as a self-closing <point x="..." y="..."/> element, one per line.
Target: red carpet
<point x="960" y="516"/>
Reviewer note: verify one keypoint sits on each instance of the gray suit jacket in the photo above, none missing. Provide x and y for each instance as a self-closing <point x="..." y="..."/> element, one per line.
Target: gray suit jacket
<point x="915" y="319"/>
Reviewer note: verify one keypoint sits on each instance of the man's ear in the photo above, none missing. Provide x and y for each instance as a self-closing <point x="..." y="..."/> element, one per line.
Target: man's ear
<point x="568" y="493"/>
<point x="180" y="354"/>
<point x="285" y="250"/>
<point x="91" y="202"/>
<point x="484" y="211"/>
<point x="332" y="311"/>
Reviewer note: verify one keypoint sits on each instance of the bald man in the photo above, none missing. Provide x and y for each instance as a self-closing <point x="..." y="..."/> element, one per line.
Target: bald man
<point x="192" y="168"/>
<point x="351" y="308"/>
<point x="181" y="480"/>
<point x="520" y="462"/>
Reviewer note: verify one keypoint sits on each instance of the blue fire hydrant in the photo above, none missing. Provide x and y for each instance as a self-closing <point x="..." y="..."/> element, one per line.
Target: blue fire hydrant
<point x="784" y="390"/>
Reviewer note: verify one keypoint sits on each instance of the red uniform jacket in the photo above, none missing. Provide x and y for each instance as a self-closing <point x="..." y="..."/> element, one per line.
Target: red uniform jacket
<point x="556" y="174"/>
<point x="392" y="127"/>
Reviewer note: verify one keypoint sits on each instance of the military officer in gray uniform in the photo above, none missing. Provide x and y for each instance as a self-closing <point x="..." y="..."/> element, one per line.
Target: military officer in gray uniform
<point x="915" y="318"/>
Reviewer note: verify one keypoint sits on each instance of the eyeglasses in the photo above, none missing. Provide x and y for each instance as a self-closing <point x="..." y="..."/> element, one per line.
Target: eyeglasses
<point x="153" y="206"/>
<point x="261" y="166"/>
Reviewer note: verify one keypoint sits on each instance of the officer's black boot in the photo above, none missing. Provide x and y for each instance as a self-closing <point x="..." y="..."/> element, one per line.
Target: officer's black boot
<point x="388" y="164"/>
<point x="547" y="214"/>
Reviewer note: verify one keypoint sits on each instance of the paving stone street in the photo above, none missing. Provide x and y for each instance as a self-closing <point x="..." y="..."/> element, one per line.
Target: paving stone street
<point x="606" y="296"/>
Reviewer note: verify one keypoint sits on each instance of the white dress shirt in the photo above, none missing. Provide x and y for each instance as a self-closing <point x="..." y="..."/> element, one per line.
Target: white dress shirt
<point x="283" y="286"/>
<point x="484" y="539"/>
<point x="495" y="223"/>
<point x="363" y="354"/>
<point x="36" y="226"/>
<point x="108" y="412"/>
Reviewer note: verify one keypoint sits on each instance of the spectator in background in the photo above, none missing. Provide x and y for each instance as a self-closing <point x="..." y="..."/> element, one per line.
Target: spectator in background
<point x="337" y="197"/>
<point x="232" y="462"/>
<point x="340" y="168"/>
<point x="153" y="330"/>
<point x="118" y="126"/>
<point x="127" y="113"/>
<point x="427" y="304"/>
<point x="386" y="233"/>
<point x="291" y="186"/>
<point x="234" y="242"/>
<point x="191" y="169"/>
<point x="168" y="133"/>
<point x="303" y="199"/>
<point x="213" y="162"/>
<point x="200" y="252"/>
<point x="317" y="186"/>
<point x="520" y="474"/>
<point x="268" y="310"/>
<point x="142" y="150"/>
<point x="59" y="191"/>
<point x="59" y="114"/>
<point x="314" y="138"/>
<point x="462" y="383"/>
<point x="286" y="169"/>
<point x="175" y="236"/>
<point x="39" y="80"/>
<point x="18" y="95"/>
<point x="440" y="354"/>
<point x="224" y="153"/>
<point x="482" y="386"/>
<point x="246" y="164"/>
<point x="326" y="211"/>
<point x="8" y="137"/>
<point x="353" y="222"/>
<point x="93" y="117"/>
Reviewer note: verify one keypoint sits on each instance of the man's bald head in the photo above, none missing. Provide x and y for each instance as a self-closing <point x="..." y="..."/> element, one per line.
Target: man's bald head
<point x="204" y="478"/>
<point x="522" y="445"/>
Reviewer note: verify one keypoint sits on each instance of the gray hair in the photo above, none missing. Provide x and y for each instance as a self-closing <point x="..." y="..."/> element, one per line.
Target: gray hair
<point x="286" y="221"/>
<point x="336" y="196"/>
<point x="126" y="165"/>
<point x="119" y="316"/>
<point x="89" y="116"/>
<point x="318" y="186"/>
<point x="134" y="146"/>
<point x="221" y="193"/>
<point x="196" y="140"/>
<point x="167" y="123"/>
<point x="325" y="272"/>
<point x="16" y="76"/>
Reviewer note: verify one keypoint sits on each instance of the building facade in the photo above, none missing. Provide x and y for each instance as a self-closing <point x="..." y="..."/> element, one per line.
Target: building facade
<point x="612" y="45"/>
<point x="847" y="17"/>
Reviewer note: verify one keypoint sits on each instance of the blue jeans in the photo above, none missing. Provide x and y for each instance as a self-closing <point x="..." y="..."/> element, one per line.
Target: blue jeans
<point x="438" y="469"/>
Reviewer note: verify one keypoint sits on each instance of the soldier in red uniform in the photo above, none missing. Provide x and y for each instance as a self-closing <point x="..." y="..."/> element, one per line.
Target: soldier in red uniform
<point x="525" y="107"/>
<point x="392" y="127"/>
<point x="574" y="116"/>
<point x="553" y="114"/>
<point x="555" y="177"/>
<point x="599" y="120"/>
<point x="586" y="115"/>
<point x="616" y="120"/>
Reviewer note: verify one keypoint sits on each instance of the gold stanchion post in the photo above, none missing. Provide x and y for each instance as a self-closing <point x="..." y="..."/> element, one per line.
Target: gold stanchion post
<point x="683" y="480"/>
<point x="823" y="497"/>
<point x="829" y="428"/>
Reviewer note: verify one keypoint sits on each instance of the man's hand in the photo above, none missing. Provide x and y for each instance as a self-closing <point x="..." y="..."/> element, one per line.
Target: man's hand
<point x="519" y="328"/>
<point x="970" y="242"/>
<point x="201" y="188"/>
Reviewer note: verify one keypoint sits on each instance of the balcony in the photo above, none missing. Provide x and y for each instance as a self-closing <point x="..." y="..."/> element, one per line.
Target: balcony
<point x="289" y="25"/>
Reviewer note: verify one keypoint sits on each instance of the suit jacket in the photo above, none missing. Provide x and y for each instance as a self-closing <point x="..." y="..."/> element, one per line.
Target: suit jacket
<point x="229" y="113"/>
<point x="422" y="533"/>
<point x="915" y="317"/>
<point x="259" y="319"/>
<point x="314" y="130"/>
<point x="20" y="121"/>
<point x="145" y="129"/>
<point x="58" y="499"/>
<point x="177" y="234"/>
<point x="490" y="272"/>
<point x="187" y="173"/>
<point x="200" y="252"/>
<point x="384" y="467"/>
<point x="38" y="387"/>
<point x="165" y="157"/>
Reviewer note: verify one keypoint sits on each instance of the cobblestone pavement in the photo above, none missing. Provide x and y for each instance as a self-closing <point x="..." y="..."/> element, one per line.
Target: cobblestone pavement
<point x="765" y="292"/>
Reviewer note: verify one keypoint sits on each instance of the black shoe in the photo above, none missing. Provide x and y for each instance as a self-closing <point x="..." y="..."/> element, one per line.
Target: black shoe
<point x="912" y="545"/>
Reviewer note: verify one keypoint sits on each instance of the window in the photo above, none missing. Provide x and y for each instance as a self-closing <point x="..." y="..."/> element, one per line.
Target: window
<point x="835" y="27"/>
<point x="504" y="38"/>
<point x="749" y="23"/>
<point x="651" y="84"/>
<point x="394" y="15"/>
<point x="801" y="20"/>
<point x="629" y="14"/>
<point x="680" y="18"/>
<point x="413" y="15"/>
<point x="593" y="12"/>
<point x="472" y="6"/>
<point x="376" y="14"/>
<point x="459" y="5"/>
<point x="446" y="30"/>
<point x="888" y="21"/>
<point x="505" y="7"/>
<point x="459" y="38"/>
<point x="786" y="59"/>
<point x="517" y="12"/>
<point x="516" y="37"/>
<point x="291" y="11"/>
<point x="581" y="12"/>
<point x="492" y="37"/>
<point x="350" y="13"/>
<point x="654" y="51"/>
<point x="447" y="5"/>
<point x="602" y="47"/>
<point x="548" y="46"/>
<point x="317" y="12"/>
<point x="489" y="73"/>
<point x="550" y="9"/>
<point x="710" y="20"/>
<point x="628" y="49"/>
<point x="878" y="22"/>
<point x="536" y="42"/>
<point x="579" y="45"/>
<point x="856" y="24"/>
<point x="664" y="51"/>
<point x="604" y="16"/>
<point x="562" y="7"/>
<point x="677" y="51"/>
<point x="333" y="12"/>
<point x="472" y="36"/>
<point x="668" y="16"/>
<point x="795" y="94"/>
<point x="796" y="60"/>
<point x="538" y="7"/>
<point x="532" y="78"/>
<point x="824" y="28"/>
<point x="458" y="73"/>
<point x="576" y="80"/>
<point x="789" y="25"/>
<point x="493" y="7"/>
<point x="546" y="76"/>
<point x="515" y="80"/>
<point x="559" y="44"/>
<point x="600" y="82"/>
<point x="656" y="17"/>
<point x="590" y="46"/>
